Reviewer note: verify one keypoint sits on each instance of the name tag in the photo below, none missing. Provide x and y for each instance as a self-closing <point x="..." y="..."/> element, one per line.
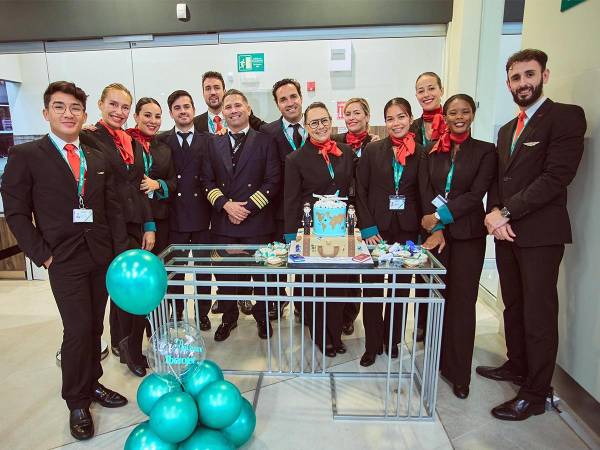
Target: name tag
<point x="151" y="194"/>
<point x="439" y="201"/>
<point x="81" y="215"/>
<point x="397" y="202"/>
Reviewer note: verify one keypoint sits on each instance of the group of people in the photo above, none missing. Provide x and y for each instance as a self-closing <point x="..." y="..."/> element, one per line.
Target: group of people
<point x="74" y="199"/>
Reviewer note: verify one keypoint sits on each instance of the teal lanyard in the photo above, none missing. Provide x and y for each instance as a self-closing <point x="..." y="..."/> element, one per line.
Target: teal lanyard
<point x="331" y="172"/>
<point x="82" y="169"/>
<point x="424" y="135"/>
<point x="291" y="140"/>
<point x="213" y="127"/>
<point x="147" y="162"/>
<point x="449" y="177"/>
<point x="398" y="169"/>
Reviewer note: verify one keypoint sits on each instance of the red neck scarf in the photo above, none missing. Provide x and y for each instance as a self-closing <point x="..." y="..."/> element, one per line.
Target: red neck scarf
<point x="140" y="137"/>
<point x="327" y="147"/>
<point x="122" y="141"/>
<point x="355" y="140"/>
<point x="438" y="126"/>
<point x="403" y="147"/>
<point x="444" y="143"/>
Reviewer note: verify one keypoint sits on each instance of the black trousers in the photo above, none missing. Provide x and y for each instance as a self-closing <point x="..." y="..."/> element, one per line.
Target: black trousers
<point x="377" y="327"/>
<point x="528" y="277"/>
<point x="229" y="307"/>
<point x="351" y="309"/>
<point x="463" y="260"/>
<point x="79" y="288"/>
<point x="187" y="238"/>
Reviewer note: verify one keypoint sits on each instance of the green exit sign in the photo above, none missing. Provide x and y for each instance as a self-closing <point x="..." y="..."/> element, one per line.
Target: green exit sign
<point x="251" y="62"/>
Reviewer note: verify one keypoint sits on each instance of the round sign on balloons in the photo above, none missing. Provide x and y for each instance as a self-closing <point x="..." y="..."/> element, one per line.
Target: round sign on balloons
<point x="136" y="281"/>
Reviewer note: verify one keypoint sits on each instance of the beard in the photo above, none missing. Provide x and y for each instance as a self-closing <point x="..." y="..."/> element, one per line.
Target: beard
<point x="535" y="95"/>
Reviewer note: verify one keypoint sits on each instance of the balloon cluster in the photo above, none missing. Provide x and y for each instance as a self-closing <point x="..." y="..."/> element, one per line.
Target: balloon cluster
<point x="203" y="412"/>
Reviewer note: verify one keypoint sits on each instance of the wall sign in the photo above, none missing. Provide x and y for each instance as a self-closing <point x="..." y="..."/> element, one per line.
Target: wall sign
<point x="251" y="62"/>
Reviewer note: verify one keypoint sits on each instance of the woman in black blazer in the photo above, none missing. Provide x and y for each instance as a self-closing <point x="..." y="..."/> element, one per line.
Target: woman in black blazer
<point x="159" y="181"/>
<point x="389" y="208"/>
<point x="126" y="159"/>
<point x="321" y="167"/>
<point x="455" y="175"/>
<point x="430" y="126"/>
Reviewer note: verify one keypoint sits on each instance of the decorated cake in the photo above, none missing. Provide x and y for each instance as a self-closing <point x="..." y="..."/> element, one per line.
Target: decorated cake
<point x="329" y="216"/>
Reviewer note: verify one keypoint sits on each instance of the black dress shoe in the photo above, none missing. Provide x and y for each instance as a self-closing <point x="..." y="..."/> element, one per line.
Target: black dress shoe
<point x="394" y="354"/>
<point x="340" y="349"/>
<point x="81" y="424"/>
<point x="115" y="350"/>
<point x="330" y="351"/>
<point x="368" y="359"/>
<point x="348" y="328"/>
<point x="502" y="373"/>
<point x="107" y="397"/>
<point x="136" y="368"/>
<point x="263" y="326"/>
<point x="224" y="330"/>
<point x="420" y="335"/>
<point x="518" y="409"/>
<point x="273" y="310"/>
<point x="204" y="323"/>
<point x="216" y="308"/>
<point x="461" y="390"/>
<point x="245" y="307"/>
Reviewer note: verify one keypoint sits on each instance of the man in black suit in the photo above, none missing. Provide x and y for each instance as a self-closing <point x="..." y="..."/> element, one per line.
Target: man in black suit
<point x="538" y="156"/>
<point x="241" y="176"/>
<point x="213" y="121"/>
<point x="66" y="188"/>
<point x="189" y="216"/>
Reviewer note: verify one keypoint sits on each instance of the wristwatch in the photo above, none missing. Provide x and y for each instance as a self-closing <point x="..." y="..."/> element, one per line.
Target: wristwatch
<point x="436" y="215"/>
<point x="504" y="212"/>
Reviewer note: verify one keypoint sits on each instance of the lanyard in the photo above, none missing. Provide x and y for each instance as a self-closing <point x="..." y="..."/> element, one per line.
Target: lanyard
<point x="213" y="127"/>
<point x="82" y="169"/>
<point x="424" y="135"/>
<point x="291" y="140"/>
<point x="147" y="162"/>
<point x="398" y="169"/>
<point x="331" y="172"/>
<point x="449" y="177"/>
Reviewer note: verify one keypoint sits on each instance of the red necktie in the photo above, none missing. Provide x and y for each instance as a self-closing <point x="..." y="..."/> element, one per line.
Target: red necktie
<point x="520" y="126"/>
<point x="73" y="159"/>
<point x="217" y="120"/>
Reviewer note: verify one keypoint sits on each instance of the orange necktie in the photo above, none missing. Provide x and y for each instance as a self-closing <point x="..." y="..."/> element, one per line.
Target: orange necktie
<point x="74" y="160"/>
<point x="520" y="126"/>
<point x="217" y="120"/>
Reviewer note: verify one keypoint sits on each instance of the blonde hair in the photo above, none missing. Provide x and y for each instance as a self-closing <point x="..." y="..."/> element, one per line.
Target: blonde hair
<point x="116" y="86"/>
<point x="362" y="102"/>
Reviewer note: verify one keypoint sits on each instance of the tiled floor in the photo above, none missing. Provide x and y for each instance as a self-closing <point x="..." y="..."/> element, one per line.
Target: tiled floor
<point x="293" y="413"/>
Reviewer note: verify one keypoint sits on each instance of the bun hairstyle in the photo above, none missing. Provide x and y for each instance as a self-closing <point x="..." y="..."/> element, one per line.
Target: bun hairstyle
<point x="465" y="97"/>
<point x="398" y="101"/>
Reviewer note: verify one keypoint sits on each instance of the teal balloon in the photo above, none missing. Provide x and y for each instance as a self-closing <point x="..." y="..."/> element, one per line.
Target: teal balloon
<point x="154" y="387"/>
<point x="201" y="375"/>
<point x="240" y="431"/>
<point x="219" y="404"/>
<point x="136" y="281"/>
<point x="206" y="439"/>
<point x="143" y="438"/>
<point x="174" y="417"/>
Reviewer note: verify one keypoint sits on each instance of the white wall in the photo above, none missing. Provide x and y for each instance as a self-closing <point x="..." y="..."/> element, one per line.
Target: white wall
<point x="505" y="108"/>
<point x="10" y="68"/>
<point x="571" y="41"/>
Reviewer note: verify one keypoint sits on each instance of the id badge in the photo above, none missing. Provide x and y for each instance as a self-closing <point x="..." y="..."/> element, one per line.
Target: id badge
<point x="151" y="194"/>
<point x="81" y="215"/>
<point x="397" y="202"/>
<point x="439" y="201"/>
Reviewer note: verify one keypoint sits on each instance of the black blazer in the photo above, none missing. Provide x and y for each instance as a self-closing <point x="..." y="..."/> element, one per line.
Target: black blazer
<point x="532" y="182"/>
<point x="255" y="180"/>
<point x="375" y="184"/>
<point x="136" y="205"/>
<point x="38" y="182"/>
<point x="475" y="166"/>
<point x="417" y="128"/>
<point x="190" y="211"/>
<point x="306" y="174"/>
<point x="162" y="169"/>
<point x="201" y="122"/>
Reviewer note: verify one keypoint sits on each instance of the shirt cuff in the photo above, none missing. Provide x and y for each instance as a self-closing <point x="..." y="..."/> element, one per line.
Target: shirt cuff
<point x="289" y="237"/>
<point x="366" y="233"/>
<point x="445" y="215"/>
<point x="438" y="227"/>
<point x="149" y="226"/>
<point x="165" y="190"/>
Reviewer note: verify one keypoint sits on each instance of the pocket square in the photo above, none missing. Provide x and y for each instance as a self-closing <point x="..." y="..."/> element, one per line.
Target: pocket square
<point x="531" y="144"/>
<point x="100" y="173"/>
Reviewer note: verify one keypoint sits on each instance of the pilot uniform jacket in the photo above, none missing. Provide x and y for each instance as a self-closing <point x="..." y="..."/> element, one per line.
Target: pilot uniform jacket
<point x="163" y="171"/>
<point x="190" y="211"/>
<point x="201" y="122"/>
<point x="306" y="173"/>
<point x="375" y="184"/>
<point x="254" y="180"/>
<point x="475" y="168"/>
<point x="37" y="180"/>
<point x="532" y="182"/>
<point x="127" y="180"/>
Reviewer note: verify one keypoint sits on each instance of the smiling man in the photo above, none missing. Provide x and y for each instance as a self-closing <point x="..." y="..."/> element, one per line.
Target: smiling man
<point x="538" y="155"/>
<point x="60" y="205"/>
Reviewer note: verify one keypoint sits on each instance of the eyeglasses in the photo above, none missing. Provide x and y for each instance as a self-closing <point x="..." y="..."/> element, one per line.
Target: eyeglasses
<point x="61" y="108"/>
<point x="314" y="124"/>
